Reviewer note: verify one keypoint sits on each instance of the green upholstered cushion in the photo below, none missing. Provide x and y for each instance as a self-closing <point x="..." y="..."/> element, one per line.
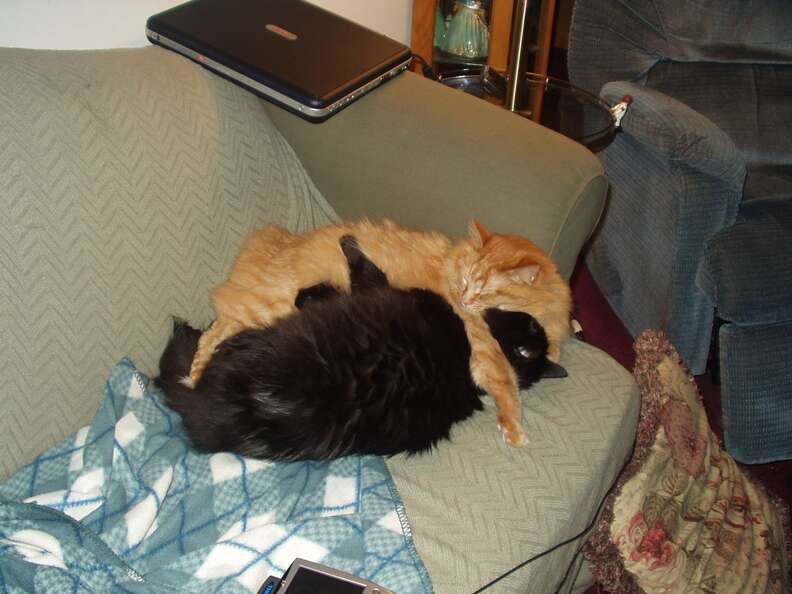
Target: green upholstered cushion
<point x="432" y="157"/>
<point x="129" y="180"/>
<point x="479" y="507"/>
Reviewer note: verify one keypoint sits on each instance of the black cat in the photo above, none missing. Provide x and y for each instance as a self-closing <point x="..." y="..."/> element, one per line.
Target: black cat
<point x="375" y="371"/>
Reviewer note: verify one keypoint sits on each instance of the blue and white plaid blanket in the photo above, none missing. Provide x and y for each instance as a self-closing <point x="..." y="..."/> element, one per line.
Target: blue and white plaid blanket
<point x="124" y="505"/>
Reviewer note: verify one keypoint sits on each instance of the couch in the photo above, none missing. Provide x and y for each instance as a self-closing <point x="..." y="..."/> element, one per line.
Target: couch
<point x="697" y="238"/>
<point x="130" y="179"/>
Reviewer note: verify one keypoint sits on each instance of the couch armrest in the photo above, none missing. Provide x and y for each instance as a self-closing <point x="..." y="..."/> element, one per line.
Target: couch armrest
<point x="432" y="157"/>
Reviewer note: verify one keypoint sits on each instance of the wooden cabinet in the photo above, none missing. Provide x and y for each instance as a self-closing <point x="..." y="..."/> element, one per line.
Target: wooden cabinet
<point x="521" y="38"/>
<point x="537" y="34"/>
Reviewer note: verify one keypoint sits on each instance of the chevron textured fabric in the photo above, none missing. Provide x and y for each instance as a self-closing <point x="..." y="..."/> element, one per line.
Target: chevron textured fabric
<point x="128" y="180"/>
<point x="153" y="516"/>
<point x="478" y="507"/>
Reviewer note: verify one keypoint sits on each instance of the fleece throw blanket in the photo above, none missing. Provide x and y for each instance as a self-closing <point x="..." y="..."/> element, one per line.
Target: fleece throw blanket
<point x="124" y="505"/>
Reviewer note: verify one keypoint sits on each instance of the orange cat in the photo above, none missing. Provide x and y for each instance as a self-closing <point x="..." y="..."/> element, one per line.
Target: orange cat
<point x="512" y="273"/>
<point x="484" y="270"/>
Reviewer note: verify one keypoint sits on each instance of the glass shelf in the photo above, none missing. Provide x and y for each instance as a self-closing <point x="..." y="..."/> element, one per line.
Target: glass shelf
<point x="551" y="102"/>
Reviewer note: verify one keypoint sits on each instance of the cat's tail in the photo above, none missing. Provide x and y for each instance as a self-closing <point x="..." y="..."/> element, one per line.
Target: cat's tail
<point x="174" y="366"/>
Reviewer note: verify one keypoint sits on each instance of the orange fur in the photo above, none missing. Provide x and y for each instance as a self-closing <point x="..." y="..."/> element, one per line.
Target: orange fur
<point x="513" y="273"/>
<point x="485" y="270"/>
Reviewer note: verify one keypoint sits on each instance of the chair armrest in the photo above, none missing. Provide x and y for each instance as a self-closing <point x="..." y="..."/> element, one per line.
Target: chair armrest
<point x="677" y="133"/>
<point x="432" y="157"/>
<point x="676" y="179"/>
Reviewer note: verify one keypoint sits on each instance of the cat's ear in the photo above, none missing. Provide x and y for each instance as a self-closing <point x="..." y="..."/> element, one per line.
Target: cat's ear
<point x="363" y="273"/>
<point x="478" y="233"/>
<point x="525" y="274"/>
<point x="553" y="371"/>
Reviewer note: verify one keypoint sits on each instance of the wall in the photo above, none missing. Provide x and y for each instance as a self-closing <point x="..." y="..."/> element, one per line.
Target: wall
<point x="87" y="24"/>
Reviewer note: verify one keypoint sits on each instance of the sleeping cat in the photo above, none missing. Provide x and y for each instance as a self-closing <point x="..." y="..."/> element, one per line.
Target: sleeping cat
<point x="377" y="371"/>
<point x="483" y="271"/>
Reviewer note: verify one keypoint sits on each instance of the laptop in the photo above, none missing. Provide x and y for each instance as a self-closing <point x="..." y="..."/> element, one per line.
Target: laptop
<point x="291" y="52"/>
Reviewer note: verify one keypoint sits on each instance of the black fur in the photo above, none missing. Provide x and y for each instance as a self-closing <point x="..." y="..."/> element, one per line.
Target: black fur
<point x="377" y="371"/>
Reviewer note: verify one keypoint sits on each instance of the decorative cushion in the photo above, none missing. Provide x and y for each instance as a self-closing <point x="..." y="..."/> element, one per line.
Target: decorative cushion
<point x="683" y="516"/>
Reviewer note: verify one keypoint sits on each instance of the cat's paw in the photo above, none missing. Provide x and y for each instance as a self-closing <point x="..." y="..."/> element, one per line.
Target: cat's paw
<point x="513" y="433"/>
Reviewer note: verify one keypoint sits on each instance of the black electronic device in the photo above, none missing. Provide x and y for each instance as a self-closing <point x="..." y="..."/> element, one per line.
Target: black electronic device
<point x="291" y="52"/>
<point x="307" y="577"/>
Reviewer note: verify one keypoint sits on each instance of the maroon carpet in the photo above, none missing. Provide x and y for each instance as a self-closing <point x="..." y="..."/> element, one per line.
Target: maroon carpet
<point x="603" y="329"/>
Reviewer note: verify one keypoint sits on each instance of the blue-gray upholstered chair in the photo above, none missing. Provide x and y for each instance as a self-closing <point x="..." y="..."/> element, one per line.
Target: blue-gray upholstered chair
<point x="697" y="236"/>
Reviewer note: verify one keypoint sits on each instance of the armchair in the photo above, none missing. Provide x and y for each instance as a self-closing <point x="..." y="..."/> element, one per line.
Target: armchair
<point x="697" y="236"/>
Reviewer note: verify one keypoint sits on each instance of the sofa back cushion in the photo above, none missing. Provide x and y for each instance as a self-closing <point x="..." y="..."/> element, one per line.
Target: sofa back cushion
<point x="129" y="180"/>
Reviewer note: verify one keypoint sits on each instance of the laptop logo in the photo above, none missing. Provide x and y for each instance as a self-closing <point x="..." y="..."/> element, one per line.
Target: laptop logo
<point x="281" y="31"/>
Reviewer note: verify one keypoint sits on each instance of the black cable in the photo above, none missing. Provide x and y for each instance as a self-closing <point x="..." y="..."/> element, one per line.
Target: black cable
<point x="558" y="545"/>
<point x="539" y="555"/>
<point x="425" y="68"/>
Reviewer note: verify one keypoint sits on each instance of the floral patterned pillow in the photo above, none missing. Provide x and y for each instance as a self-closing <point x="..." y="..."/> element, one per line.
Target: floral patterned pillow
<point x="683" y="516"/>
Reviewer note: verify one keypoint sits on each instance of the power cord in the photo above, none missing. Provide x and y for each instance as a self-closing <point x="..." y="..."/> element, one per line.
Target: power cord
<point x="425" y="67"/>
<point x="558" y="545"/>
